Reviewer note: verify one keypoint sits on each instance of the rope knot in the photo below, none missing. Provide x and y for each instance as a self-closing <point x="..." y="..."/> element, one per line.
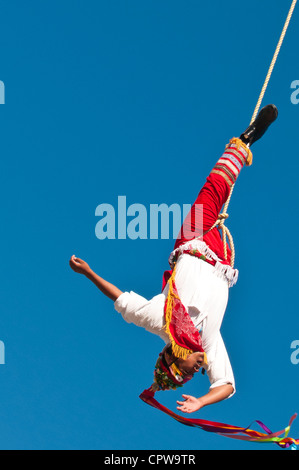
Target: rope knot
<point x="222" y="217"/>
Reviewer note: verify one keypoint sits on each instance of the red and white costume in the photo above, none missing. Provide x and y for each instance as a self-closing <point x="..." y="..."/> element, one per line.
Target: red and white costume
<point x="202" y="285"/>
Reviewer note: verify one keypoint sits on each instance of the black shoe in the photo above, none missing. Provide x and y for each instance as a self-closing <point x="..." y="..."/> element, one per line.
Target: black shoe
<point x="258" y="128"/>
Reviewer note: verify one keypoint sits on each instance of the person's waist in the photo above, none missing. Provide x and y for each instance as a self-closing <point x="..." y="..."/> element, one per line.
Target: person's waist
<point x="201" y="250"/>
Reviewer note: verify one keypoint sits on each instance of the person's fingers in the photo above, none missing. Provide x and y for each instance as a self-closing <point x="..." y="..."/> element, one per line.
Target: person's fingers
<point x="74" y="264"/>
<point x="184" y="409"/>
<point x="75" y="259"/>
<point x="186" y="396"/>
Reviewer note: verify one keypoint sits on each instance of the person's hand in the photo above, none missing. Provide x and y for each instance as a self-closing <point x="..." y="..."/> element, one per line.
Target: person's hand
<point x="78" y="265"/>
<point x="190" y="404"/>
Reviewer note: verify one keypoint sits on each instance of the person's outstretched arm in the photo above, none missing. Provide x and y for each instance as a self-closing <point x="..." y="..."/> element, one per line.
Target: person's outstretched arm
<point x="81" y="267"/>
<point x="215" y="395"/>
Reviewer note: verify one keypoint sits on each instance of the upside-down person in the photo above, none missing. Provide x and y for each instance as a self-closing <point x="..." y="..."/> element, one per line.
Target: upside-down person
<point x="188" y="313"/>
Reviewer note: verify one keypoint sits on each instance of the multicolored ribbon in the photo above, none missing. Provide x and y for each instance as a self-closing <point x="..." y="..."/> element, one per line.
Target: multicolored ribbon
<point x="233" y="432"/>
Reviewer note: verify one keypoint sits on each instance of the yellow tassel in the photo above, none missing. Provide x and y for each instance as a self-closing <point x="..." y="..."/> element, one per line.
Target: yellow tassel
<point x="175" y="369"/>
<point x="205" y="359"/>
<point x="177" y="350"/>
<point x="239" y="143"/>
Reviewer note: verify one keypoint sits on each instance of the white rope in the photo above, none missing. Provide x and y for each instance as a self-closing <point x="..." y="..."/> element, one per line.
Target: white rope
<point x="224" y="215"/>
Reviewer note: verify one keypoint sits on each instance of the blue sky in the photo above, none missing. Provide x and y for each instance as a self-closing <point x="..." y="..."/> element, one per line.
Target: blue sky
<point x="138" y="99"/>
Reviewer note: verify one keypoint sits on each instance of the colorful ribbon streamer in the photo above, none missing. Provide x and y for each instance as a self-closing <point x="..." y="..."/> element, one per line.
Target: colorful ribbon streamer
<point x="233" y="432"/>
